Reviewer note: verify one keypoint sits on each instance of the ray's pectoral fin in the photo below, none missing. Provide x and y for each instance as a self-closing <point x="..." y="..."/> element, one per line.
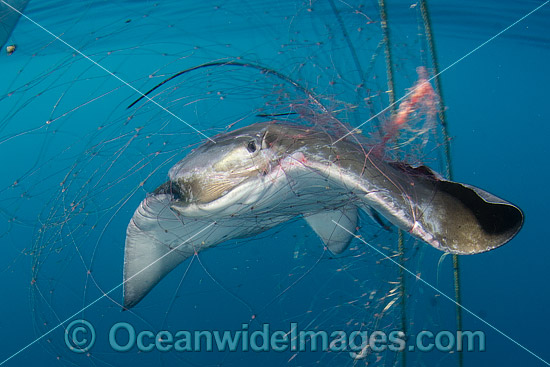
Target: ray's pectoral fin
<point x="157" y="240"/>
<point x="147" y="256"/>
<point x="450" y="216"/>
<point x="335" y="237"/>
<point x="464" y="219"/>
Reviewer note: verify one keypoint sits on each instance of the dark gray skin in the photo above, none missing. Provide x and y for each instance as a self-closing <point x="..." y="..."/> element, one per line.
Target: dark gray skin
<point x="257" y="177"/>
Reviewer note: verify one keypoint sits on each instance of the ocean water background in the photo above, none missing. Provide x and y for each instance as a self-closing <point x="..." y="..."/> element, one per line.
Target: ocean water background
<point x="69" y="187"/>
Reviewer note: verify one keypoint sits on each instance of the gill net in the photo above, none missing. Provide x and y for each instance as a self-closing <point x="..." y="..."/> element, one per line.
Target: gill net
<point x="88" y="152"/>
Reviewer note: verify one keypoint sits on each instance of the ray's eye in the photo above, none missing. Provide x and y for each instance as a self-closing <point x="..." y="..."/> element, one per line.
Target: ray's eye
<point x="251" y="146"/>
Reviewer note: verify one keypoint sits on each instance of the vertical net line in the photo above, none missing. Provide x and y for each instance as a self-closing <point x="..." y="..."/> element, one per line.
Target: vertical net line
<point x="447" y="151"/>
<point x="352" y="51"/>
<point x="391" y="94"/>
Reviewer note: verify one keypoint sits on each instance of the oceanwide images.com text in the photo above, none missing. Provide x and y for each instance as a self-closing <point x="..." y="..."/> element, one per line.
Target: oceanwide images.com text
<point x="80" y="336"/>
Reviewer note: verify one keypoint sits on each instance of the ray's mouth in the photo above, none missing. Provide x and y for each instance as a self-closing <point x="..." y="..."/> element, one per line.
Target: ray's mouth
<point x="199" y="190"/>
<point x="173" y="189"/>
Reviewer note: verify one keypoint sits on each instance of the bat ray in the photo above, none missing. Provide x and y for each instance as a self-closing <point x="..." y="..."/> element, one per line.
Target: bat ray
<point x="262" y="175"/>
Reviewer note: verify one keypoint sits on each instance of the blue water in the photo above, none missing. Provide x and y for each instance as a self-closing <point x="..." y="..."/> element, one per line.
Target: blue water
<point x="70" y="186"/>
